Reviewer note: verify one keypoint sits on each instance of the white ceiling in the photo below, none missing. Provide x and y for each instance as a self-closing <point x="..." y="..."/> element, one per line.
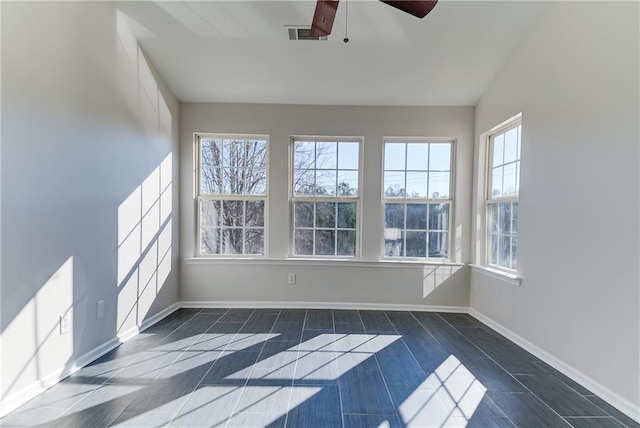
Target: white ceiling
<point x="239" y="51"/>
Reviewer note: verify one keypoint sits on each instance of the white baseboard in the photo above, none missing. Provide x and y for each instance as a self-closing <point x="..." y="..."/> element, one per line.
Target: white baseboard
<point x="325" y="305"/>
<point x="128" y="334"/>
<point x="31" y="391"/>
<point x="620" y="403"/>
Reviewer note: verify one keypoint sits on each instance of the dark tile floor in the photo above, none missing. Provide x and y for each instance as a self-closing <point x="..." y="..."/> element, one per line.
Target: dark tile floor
<point x="316" y="368"/>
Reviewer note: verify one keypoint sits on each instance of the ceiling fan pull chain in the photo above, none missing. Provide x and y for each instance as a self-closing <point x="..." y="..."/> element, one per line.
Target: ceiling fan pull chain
<point x="346" y="22"/>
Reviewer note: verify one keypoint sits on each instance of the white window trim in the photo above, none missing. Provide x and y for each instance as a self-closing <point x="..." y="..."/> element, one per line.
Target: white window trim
<point x="197" y="136"/>
<point x="451" y="201"/>
<point x="292" y="198"/>
<point x="496" y="271"/>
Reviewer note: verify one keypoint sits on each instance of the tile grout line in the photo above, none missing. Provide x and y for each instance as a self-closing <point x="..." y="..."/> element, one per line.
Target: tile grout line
<point x="295" y="369"/>
<point x="177" y="412"/>
<point x="235" y="407"/>
<point x="509" y="373"/>
<point x="105" y="382"/>
<point x="333" y="321"/>
<point x="384" y="381"/>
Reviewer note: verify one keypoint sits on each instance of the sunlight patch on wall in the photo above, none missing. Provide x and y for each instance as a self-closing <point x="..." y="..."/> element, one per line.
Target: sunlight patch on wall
<point x="434" y="276"/>
<point x="44" y="327"/>
<point x="145" y="228"/>
<point x="448" y="397"/>
<point x="145" y="234"/>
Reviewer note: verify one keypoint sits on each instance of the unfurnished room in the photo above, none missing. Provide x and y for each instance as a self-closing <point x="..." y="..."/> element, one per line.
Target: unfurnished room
<point x="303" y="213"/>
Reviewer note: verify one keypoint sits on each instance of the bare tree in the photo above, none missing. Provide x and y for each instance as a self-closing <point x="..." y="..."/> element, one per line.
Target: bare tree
<point x="233" y="168"/>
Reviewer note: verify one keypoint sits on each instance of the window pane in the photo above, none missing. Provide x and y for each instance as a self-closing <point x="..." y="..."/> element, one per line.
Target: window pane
<point x="510" y="180"/>
<point x="232" y="241"/>
<point x="439" y="185"/>
<point x="255" y="214"/>
<point x="326" y="155"/>
<point x="347" y="183"/>
<point x="303" y="182"/>
<point x="210" y="213"/>
<point x="325" y="242"/>
<point x="210" y="180"/>
<point x="233" y="153"/>
<point x="505" y="218"/>
<point x="303" y="213"/>
<point x="514" y="218"/>
<point x="417" y="216"/>
<point x="416" y="244"/>
<point x="393" y="242"/>
<point x="347" y="215"/>
<point x="498" y="150"/>
<point x="348" y="155"/>
<point x="232" y="181"/>
<point x="256" y="154"/>
<point x="394" y="184"/>
<point x="511" y="145"/>
<point x="439" y="217"/>
<point x="416" y="184"/>
<point x="304" y="156"/>
<point x="210" y="158"/>
<point x="326" y="183"/>
<point x="518" y="177"/>
<point x="209" y="240"/>
<point x="346" y="242"/>
<point x="303" y="242"/>
<point x="326" y="214"/>
<point x="418" y="156"/>
<point x="394" y="216"/>
<point x="211" y="153"/>
<point x="514" y="252"/>
<point x="394" y="156"/>
<point x="254" y="241"/>
<point x="232" y="213"/>
<point x="440" y="157"/>
<point x="255" y="181"/>
<point x="438" y="245"/>
<point x="494" y="211"/>
<point x="504" y="254"/>
<point x="496" y="183"/>
<point x="493" y="253"/>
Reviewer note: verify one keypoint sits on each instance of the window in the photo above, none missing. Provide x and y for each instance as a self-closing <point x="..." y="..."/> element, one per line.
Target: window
<point x="503" y="181"/>
<point x="325" y="196"/>
<point x="232" y="194"/>
<point x="417" y="198"/>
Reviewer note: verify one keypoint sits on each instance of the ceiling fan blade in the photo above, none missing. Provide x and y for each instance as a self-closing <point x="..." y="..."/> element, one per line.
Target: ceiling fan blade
<point x="419" y="8"/>
<point x="323" y="18"/>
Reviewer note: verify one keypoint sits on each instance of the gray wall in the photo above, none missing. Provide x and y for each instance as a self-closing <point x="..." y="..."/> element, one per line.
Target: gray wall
<point x="88" y="163"/>
<point x="575" y="80"/>
<point x="370" y="282"/>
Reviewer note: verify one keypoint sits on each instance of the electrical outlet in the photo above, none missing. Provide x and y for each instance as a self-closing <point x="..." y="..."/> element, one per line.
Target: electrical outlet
<point x="65" y="324"/>
<point x="100" y="309"/>
<point x="291" y="279"/>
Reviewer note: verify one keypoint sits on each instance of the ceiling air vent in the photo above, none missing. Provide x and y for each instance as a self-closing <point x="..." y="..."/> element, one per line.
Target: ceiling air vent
<point x="303" y="34"/>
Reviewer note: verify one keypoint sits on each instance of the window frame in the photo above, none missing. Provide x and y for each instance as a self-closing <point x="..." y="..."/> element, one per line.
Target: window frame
<point x="490" y="200"/>
<point x="199" y="197"/>
<point x="450" y="201"/>
<point x="317" y="199"/>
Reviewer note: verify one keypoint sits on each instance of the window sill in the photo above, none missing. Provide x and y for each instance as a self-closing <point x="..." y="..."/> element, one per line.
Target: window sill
<point x="402" y="264"/>
<point x="508" y="277"/>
